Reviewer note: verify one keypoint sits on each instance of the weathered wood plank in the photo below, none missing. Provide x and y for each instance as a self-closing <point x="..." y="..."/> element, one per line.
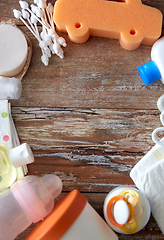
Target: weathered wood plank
<point x="116" y="130"/>
<point x="97" y="147"/>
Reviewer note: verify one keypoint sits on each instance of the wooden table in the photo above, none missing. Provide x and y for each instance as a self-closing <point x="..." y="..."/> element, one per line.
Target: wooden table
<point x="88" y="117"/>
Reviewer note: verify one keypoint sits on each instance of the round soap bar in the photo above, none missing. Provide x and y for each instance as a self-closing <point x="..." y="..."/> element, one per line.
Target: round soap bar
<point x="13" y="50"/>
<point x="121" y="212"/>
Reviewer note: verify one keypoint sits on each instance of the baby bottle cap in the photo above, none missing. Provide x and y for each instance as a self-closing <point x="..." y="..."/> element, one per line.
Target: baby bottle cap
<point x="160" y="103"/>
<point x="10" y="88"/>
<point x="53" y="184"/>
<point x="149" y="72"/>
<point x="33" y="196"/>
<point x="121" y="212"/>
<point x="21" y="155"/>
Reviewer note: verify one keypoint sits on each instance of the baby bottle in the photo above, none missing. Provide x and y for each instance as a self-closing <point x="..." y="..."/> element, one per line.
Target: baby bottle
<point x="72" y="218"/>
<point x="28" y="200"/>
<point x="154" y="70"/>
<point x="126" y="210"/>
<point x="12" y="159"/>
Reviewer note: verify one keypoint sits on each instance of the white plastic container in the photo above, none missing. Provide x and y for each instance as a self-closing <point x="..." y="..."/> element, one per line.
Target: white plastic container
<point x="154" y="70"/>
<point x="72" y="218"/>
<point x="10" y="88"/>
<point x="28" y="200"/>
<point x="126" y="210"/>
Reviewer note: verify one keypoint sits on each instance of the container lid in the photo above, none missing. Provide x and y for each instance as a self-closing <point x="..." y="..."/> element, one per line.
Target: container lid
<point x="149" y="72"/>
<point x="11" y="88"/>
<point x="64" y="214"/>
<point x="21" y="155"/>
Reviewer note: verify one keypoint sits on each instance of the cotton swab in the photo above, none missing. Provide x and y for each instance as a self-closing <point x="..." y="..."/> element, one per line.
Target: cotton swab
<point x="48" y="39"/>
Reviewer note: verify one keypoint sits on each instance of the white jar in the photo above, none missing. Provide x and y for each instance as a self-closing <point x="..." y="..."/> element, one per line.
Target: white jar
<point x="126" y="210"/>
<point x="73" y="218"/>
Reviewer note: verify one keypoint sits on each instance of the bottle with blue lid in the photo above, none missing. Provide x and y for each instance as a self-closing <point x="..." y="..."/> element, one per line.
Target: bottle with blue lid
<point x="154" y="70"/>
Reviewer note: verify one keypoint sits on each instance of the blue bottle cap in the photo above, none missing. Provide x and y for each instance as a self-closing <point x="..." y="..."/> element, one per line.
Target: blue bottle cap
<point x="149" y="72"/>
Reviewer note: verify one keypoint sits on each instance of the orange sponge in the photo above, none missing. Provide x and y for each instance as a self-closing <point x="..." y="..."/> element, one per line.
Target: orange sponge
<point x="127" y="20"/>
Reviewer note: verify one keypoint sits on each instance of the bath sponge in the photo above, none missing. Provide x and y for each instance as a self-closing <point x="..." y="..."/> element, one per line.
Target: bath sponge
<point x="130" y="21"/>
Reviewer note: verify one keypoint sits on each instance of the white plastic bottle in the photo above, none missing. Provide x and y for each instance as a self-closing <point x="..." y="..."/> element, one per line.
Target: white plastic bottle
<point x="28" y="200"/>
<point x="10" y="88"/>
<point x="154" y="70"/>
<point x="126" y="210"/>
<point x="72" y="218"/>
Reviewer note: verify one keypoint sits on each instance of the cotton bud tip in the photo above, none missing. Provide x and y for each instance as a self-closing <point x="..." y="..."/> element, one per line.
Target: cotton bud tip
<point x="25" y="14"/>
<point x="50" y="8"/>
<point x="33" y="8"/>
<point x="45" y="59"/>
<point x="17" y="14"/>
<point x="33" y="19"/>
<point x="36" y="1"/>
<point x="47" y="52"/>
<point x="61" y="53"/>
<point x="42" y="44"/>
<point x="47" y="39"/>
<point x="41" y="4"/>
<point x="39" y="12"/>
<point x="50" y="32"/>
<point x="23" y="4"/>
<point x="42" y="34"/>
<point x="62" y="41"/>
<point x="56" y="48"/>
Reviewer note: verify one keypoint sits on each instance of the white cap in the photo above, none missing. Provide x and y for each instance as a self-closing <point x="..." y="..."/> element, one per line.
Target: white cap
<point x="21" y="155"/>
<point x="10" y="88"/>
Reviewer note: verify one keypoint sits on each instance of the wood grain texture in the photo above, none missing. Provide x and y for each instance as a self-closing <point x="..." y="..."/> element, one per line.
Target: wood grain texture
<point x="88" y="117"/>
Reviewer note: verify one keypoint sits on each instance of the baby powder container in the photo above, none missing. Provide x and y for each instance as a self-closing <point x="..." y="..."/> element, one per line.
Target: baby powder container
<point x="126" y="210"/>
<point x="72" y="218"/>
<point x="154" y="70"/>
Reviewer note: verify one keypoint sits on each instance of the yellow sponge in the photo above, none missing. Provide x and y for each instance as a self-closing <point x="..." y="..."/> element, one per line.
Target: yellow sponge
<point x="130" y="21"/>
